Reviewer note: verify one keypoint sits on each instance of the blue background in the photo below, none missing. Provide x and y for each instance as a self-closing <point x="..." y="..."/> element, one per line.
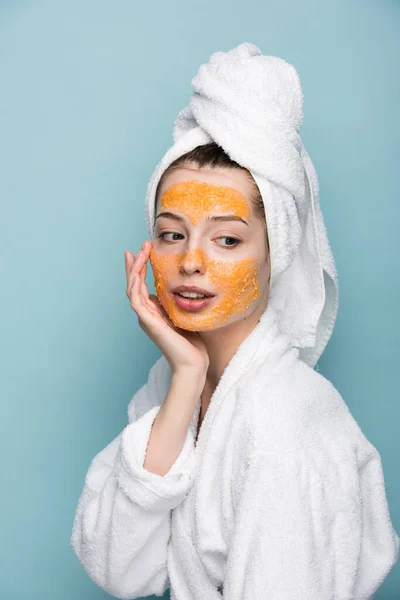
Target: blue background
<point x="89" y="93"/>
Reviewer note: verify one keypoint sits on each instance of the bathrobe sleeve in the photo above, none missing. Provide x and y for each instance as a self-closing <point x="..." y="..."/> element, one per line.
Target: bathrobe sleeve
<point x="309" y="526"/>
<point x="121" y="528"/>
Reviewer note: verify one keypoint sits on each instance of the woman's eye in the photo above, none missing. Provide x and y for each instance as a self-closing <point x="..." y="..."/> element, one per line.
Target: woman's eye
<point x="162" y="235"/>
<point x="231" y="242"/>
<point x="229" y="245"/>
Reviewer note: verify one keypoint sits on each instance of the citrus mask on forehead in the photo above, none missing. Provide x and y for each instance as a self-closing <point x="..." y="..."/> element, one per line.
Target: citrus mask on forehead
<point x="234" y="281"/>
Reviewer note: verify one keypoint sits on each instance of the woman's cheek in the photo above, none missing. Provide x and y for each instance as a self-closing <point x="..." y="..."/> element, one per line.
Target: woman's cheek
<point x="238" y="285"/>
<point x="164" y="267"/>
<point x="235" y="283"/>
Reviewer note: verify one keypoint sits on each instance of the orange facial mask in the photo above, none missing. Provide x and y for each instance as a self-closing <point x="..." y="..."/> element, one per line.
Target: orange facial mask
<point x="235" y="282"/>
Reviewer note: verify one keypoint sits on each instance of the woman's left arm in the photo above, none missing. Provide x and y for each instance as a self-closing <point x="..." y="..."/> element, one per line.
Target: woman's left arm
<point x="307" y="526"/>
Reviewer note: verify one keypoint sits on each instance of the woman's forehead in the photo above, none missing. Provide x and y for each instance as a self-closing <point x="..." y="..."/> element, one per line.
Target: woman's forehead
<point x="236" y="178"/>
<point x="199" y="200"/>
<point x="207" y="190"/>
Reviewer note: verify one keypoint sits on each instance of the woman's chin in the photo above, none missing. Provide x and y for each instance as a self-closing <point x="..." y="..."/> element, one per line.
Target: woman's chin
<point x="190" y="324"/>
<point x="196" y="322"/>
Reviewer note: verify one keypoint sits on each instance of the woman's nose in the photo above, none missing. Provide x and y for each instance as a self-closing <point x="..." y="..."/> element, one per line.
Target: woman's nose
<point x="192" y="261"/>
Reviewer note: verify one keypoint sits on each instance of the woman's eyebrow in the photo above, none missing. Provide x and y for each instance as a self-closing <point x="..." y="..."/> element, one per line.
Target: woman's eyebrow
<point x="209" y="218"/>
<point x="226" y="218"/>
<point x="171" y="215"/>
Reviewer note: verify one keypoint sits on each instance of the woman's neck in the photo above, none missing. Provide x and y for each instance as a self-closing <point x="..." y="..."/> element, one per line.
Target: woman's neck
<point x="222" y="343"/>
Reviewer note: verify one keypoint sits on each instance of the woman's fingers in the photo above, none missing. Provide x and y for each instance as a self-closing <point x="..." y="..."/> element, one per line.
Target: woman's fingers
<point x="143" y="272"/>
<point x="144" y="290"/>
<point x="136" y="297"/>
<point x="140" y="265"/>
<point x="145" y="310"/>
<point x="137" y="265"/>
<point x="139" y="268"/>
<point x="129" y="260"/>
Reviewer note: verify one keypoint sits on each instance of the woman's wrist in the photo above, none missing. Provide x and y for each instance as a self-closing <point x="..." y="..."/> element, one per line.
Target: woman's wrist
<point x="193" y="376"/>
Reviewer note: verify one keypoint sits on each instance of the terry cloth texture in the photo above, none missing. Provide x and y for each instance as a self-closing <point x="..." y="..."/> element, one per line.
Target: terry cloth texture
<point x="281" y="497"/>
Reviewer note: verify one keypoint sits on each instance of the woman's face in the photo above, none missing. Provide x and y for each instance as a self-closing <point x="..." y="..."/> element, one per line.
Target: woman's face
<point x="207" y="235"/>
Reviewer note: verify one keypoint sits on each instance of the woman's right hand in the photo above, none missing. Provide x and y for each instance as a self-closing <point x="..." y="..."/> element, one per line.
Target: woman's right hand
<point x="180" y="347"/>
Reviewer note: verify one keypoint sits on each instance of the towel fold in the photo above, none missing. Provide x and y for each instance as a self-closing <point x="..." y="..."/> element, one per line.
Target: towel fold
<point x="252" y="106"/>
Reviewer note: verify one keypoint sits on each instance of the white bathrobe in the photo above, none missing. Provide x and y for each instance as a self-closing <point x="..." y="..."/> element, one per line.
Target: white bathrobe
<point x="282" y="497"/>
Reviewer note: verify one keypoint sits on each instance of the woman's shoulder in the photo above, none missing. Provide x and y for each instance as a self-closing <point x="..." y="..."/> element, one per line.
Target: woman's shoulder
<point x="298" y="408"/>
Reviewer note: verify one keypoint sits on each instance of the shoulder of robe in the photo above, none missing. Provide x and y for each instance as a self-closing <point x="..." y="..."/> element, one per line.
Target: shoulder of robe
<point x="298" y="408"/>
<point x="153" y="392"/>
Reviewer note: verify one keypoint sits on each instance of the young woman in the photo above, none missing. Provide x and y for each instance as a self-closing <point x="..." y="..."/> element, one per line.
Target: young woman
<point x="204" y="214"/>
<point x="241" y="472"/>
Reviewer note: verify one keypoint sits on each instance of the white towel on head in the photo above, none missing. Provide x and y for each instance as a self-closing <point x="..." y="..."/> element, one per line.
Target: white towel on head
<point x="252" y="106"/>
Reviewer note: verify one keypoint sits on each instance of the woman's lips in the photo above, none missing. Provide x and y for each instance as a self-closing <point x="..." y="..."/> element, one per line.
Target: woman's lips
<point x="190" y="304"/>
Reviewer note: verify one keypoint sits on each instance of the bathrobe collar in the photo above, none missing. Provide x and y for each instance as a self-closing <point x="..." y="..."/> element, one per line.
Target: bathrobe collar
<point x="266" y="344"/>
